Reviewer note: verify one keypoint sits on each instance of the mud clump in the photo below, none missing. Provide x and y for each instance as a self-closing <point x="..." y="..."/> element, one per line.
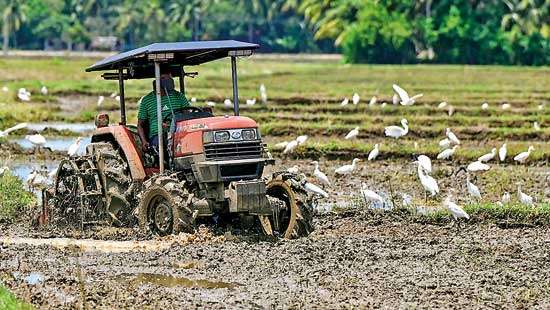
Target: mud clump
<point x="353" y="259"/>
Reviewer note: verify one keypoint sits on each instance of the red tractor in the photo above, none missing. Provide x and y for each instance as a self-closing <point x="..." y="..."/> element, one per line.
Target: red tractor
<point x="210" y="168"/>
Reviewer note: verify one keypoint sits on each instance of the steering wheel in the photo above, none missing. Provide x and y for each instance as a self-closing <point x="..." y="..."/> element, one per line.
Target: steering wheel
<point x="189" y="109"/>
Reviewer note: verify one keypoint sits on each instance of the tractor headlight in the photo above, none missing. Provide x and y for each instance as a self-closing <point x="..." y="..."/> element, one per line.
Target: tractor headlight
<point x="249" y="134"/>
<point x="208" y="137"/>
<point x="222" y="136"/>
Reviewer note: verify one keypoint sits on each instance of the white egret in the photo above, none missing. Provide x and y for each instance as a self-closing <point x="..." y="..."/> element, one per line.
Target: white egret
<point x="442" y="105"/>
<point x="506" y="106"/>
<point x="263" y="93"/>
<point x="193" y="100"/>
<point x="447" y="153"/>
<point x="73" y="149"/>
<point x="522" y="157"/>
<point x="536" y="126"/>
<point x="312" y="188"/>
<point x="113" y="95"/>
<point x="211" y="103"/>
<point x="506" y="198"/>
<point x="445" y="143"/>
<point x="485" y="106"/>
<point x="370" y="195"/>
<point x="347" y="169"/>
<point x="425" y="162"/>
<point x="227" y="102"/>
<point x="320" y="175"/>
<point x="352" y="134"/>
<point x="294" y="169"/>
<point x="6" y="132"/>
<point x="100" y="100"/>
<point x="345" y="102"/>
<point x="452" y="137"/>
<point x="415" y="145"/>
<point x="374" y="152"/>
<point x="405" y="99"/>
<point x="251" y="101"/>
<point x="117" y="98"/>
<point x="383" y="105"/>
<point x="24" y="95"/>
<point x="44" y="90"/>
<point x="541" y="106"/>
<point x="373" y="100"/>
<point x="473" y="190"/>
<point x="36" y="139"/>
<point x="5" y="89"/>
<point x="281" y="145"/>
<point x="396" y="131"/>
<point x="455" y="209"/>
<point x="289" y="148"/>
<point x="355" y="98"/>
<point x="451" y="110"/>
<point x="488" y="157"/>
<point x="429" y="183"/>
<point x="477" y="166"/>
<point x="395" y="99"/>
<point x="302" y="139"/>
<point x="524" y="198"/>
<point x="407" y="200"/>
<point x="502" y="152"/>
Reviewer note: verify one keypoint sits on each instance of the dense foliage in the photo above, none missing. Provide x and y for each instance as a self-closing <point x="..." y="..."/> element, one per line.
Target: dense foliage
<point x="13" y="197"/>
<point x="375" y="31"/>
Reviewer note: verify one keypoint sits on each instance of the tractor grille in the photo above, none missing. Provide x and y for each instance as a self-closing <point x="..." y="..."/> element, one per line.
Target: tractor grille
<point x="233" y="150"/>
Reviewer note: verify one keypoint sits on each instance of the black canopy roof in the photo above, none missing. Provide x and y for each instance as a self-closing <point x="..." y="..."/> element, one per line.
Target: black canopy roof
<point x="140" y="63"/>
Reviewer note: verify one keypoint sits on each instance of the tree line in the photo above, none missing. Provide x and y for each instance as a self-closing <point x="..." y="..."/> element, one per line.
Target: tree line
<point x="365" y="31"/>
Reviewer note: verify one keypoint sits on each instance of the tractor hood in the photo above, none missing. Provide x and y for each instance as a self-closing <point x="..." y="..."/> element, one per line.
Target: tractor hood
<point x="218" y="122"/>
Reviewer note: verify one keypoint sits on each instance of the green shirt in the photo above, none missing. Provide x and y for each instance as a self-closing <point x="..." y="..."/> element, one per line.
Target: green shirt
<point x="148" y="108"/>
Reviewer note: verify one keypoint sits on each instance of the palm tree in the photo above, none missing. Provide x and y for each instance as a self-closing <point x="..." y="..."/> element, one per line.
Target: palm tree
<point x="183" y="11"/>
<point x="13" y="15"/>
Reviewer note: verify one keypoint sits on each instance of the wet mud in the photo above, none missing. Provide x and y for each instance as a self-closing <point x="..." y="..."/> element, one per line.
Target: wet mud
<point x="354" y="259"/>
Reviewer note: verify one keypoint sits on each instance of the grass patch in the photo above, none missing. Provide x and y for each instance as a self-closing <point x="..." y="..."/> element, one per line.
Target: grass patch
<point x="14" y="199"/>
<point x="10" y="302"/>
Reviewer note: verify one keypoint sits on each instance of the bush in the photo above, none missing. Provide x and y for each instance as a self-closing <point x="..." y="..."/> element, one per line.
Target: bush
<point x="14" y="199"/>
<point x="8" y="301"/>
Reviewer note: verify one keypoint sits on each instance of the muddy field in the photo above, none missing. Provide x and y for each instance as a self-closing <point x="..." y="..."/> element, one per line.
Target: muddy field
<point x="356" y="258"/>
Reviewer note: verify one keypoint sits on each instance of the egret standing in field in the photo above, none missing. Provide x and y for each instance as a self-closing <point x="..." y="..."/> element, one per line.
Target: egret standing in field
<point x="429" y="183"/>
<point x="263" y="94"/>
<point x="522" y="157"/>
<point x="506" y="106"/>
<point x="396" y="131"/>
<point x="5" y="89"/>
<point x="227" y="102"/>
<point x="355" y="99"/>
<point x="473" y="190"/>
<point x="477" y="166"/>
<point x="44" y="90"/>
<point x="344" y="102"/>
<point x="211" y="103"/>
<point x="451" y="110"/>
<point x="442" y="105"/>
<point x="502" y="152"/>
<point x="347" y="169"/>
<point x="373" y="101"/>
<point x="73" y="149"/>
<point x="505" y="198"/>
<point x="281" y="145"/>
<point x="395" y="99"/>
<point x="302" y="139"/>
<point x="405" y="99"/>
<point x="193" y="99"/>
<point x="369" y="195"/>
<point x="445" y="143"/>
<point x="485" y="106"/>
<point x="100" y="100"/>
<point x="251" y="101"/>
<point x="352" y="134"/>
<point x="312" y="188"/>
<point x="320" y="175"/>
<point x="6" y="132"/>
<point x="374" y="152"/>
<point x="289" y="148"/>
<point x="488" y="157"/>
<point x="447" y="153"/>
<point x="294" y="169"/>
<point x="37" y="140"/>
<point x="24" y="95"/>
<point x="524" y="198"/>
<point x="425" y="162"/>
<point x="536" y="126"/>
<point x="455" y="209"/>
<point x="451" y="136"/>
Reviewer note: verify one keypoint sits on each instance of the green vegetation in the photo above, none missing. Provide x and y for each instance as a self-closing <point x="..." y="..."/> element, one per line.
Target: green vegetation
<point x="373" y="31"/>
<point x="10" y="302"/>
<point x="14" y="199"/>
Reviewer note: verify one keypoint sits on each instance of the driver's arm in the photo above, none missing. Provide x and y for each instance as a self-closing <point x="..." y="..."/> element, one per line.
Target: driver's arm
<point x="141" y="132"/>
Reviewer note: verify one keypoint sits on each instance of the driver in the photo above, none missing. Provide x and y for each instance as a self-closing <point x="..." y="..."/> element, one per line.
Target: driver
<point x="147" y="117"/>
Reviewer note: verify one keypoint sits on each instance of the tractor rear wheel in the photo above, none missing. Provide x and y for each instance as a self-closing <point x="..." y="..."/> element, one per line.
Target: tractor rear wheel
<point x="291" y="217"/>
<point x="164" y="206"/>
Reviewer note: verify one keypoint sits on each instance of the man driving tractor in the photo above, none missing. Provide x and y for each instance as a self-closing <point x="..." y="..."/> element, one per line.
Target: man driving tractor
<point x="147" y="116"/>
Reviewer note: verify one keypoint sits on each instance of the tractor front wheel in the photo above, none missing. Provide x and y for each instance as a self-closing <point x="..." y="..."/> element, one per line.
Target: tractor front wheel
<point x="163" y="207"/>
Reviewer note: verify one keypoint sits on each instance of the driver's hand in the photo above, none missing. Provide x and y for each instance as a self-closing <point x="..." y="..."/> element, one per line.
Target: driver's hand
<point x="164" y="125"/>
<point x="145" y="146"/>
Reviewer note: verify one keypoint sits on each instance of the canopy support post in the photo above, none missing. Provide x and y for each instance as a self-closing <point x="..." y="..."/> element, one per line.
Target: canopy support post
<point x="235" y="88"/>
<point x="159" y="116"/>
<point x="182" y="82"/>
<point x="121" y="92"/>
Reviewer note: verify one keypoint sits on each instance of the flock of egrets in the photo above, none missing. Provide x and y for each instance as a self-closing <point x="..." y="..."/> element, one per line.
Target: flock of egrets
<point x="449" y="143"/>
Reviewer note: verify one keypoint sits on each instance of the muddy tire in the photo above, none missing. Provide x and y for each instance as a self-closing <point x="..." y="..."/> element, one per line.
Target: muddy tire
<point x="115" y="174"/>
<point x="164" y="207"/>
<point x="296" y="219"/>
